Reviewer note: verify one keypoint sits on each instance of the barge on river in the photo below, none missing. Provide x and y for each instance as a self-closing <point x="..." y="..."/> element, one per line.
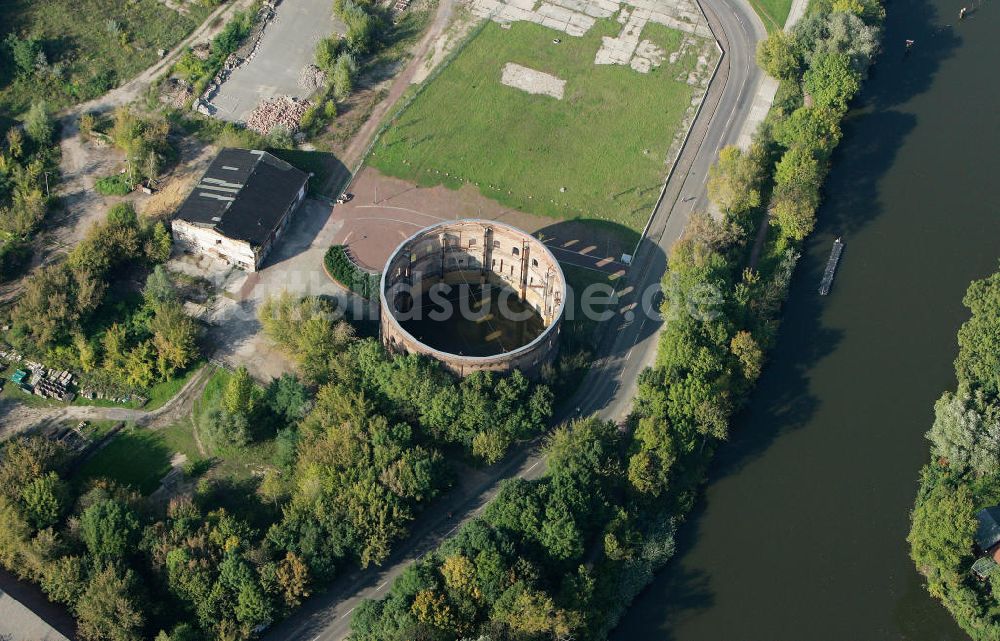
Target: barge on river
<point x="831" y="267"/>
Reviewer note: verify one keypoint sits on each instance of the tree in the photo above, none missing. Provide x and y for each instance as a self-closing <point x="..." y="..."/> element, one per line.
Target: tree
<point x="139" y="365"/>
<point x="343" y="76"/>
<point x="174" y="335"/>
<point x="24" y="460"/>
<point x="15" y="142"/>
<point x="241" y="394"/>
<point x="293" y="579"/>
<point x="25" y="52"/>
<point x="750" y="355"/>
<point x="65" y="580"/>
<point x="159" y="245"/>
<point x="779" y="56"/>
<point x="796" y="192"/>
<point x="107" y="610"/>
<point x="159" y="289"/>
<point x="811" y="128"/>
<point x="43" y="500"/>
<point x="942" y="532"/>
<point x="287" y="398"/>
<point x="963" y="439"/>
<point x="109" y="529"/>
<point x="38" y="123"/>
<point x="831" y="80"/>
<point x="734" y="180"/>
<point x="978" y="362"/>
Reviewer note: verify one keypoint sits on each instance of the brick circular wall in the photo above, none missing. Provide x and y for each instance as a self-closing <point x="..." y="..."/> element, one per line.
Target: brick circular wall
<point x="483" y="251"/>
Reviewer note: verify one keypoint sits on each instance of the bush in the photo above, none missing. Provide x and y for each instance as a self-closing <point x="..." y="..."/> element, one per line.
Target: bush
<point x="116" y="185"/>
<point x="349" y="275"/>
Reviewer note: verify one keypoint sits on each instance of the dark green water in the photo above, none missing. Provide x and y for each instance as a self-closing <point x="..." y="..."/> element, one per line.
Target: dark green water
<point x="499" y="321"/>
<point x="801" y="531"/>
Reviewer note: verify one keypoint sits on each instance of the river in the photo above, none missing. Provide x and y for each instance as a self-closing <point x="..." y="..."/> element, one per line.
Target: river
<point x="801" y="531"/>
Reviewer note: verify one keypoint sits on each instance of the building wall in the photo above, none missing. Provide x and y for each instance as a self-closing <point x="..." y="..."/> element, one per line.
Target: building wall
<point x="206" y="240"/>
<point x="481" y="251"/>
<point x="202" y="239"/>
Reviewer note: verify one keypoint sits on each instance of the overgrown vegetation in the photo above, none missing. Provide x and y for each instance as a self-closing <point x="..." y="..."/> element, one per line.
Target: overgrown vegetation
<point x="29" y="171"/>
<point x="200" y="70"/>
<point x="69" y="51"/>
<point x="373" y="33"/>
<point x="343" y="269"/>
<point x="963" y="475"/>
<point x="121" y="342"/>
<point x="563" y="556"/>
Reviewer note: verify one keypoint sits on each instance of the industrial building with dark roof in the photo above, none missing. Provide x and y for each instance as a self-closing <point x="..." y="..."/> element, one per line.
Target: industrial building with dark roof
<point x="240" y="207"/>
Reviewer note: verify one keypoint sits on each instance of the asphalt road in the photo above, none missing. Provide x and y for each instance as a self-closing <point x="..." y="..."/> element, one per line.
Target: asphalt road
<point x="628" y="345"/>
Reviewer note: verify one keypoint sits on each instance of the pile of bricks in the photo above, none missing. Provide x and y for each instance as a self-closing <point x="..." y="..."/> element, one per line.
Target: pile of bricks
<point x="283" y="111"/>
<point x="312" y="77"/>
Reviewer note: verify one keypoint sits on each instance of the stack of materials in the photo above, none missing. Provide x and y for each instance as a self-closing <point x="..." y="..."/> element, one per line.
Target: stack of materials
<point x="283" y="111"/>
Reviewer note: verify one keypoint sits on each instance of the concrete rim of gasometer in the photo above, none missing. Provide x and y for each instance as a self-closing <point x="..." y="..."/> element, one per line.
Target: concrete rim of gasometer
<point x="541" y="338"/>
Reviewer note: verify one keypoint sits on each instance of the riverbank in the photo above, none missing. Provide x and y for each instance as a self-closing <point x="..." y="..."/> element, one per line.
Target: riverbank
<point x="611" y="501"/>
<point x="952" y="542"/>
<point x="820" y="472"/>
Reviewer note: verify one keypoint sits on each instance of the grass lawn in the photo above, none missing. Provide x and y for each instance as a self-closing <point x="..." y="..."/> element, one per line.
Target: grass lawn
<point x="135" y="457"/>
<point x="94" y="55"/>
<point x="606" y="141"/>
<point x="773" y="13"/>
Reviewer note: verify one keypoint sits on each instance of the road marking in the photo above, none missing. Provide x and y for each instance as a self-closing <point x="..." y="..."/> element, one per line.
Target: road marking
<point x="385" y="584"/>
<point x="349" y="611"/>
<point x="532" y="467"/>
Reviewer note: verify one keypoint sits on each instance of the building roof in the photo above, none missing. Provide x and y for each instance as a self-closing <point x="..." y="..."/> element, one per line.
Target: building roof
<point x="243" y="195"/>
<point x="988" y="530"/>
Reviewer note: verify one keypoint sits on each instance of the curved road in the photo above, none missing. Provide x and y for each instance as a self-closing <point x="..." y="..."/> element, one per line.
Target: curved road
<point x="629" y="340"/>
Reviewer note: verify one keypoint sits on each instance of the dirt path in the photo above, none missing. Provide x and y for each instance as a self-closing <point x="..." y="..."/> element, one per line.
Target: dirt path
<point x="18" y="417"/>
<point x="138" y="85"/>
<point x="355" y="151"/>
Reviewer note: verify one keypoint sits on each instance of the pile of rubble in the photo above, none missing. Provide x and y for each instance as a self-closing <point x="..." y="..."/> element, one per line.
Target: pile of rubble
<point x="312" y="78"/>
<point x="245" y="53"/>
<point x="176" y="92"/>
<point x="283" y="111"/>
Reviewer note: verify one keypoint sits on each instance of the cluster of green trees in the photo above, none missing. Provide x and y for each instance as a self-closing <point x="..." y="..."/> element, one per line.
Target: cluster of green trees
<point x="199" y="573"/>
<point x="821" y="65"/>
<point x="521" y="572"/>
<point x="28" y="171"/>
<point x="963" y="474"/>
<point x="368" y="453"/>
<point x="201" y="72"/>
<point x="346" y="272"/>
<point x="65" y="318"/>
<point x="525" y="569"/>
<point x="142" y="139"/>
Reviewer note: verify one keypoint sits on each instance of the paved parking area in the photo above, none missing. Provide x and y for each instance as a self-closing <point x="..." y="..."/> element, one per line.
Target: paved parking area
<point x="285" y="49"/>
<point x="295" y="265"/>
<point x="385" y="211"/>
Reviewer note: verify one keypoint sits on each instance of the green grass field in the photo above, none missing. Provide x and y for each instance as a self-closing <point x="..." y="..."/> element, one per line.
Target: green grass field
<point x="606" y="141"/>
<point x="136" y="457"/>
<point x="87" y="54"/>
<point x="773" y="13"/>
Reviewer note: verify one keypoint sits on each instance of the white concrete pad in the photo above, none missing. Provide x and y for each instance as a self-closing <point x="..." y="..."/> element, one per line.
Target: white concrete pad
<point x="532" y="81"/>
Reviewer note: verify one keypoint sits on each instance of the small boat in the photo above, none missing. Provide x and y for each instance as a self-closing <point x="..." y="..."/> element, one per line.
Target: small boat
<point x="831" y="267"/>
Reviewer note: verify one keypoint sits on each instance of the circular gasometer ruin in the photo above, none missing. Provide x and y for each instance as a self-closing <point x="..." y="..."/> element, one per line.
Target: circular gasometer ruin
<point x="475" y="295"/>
